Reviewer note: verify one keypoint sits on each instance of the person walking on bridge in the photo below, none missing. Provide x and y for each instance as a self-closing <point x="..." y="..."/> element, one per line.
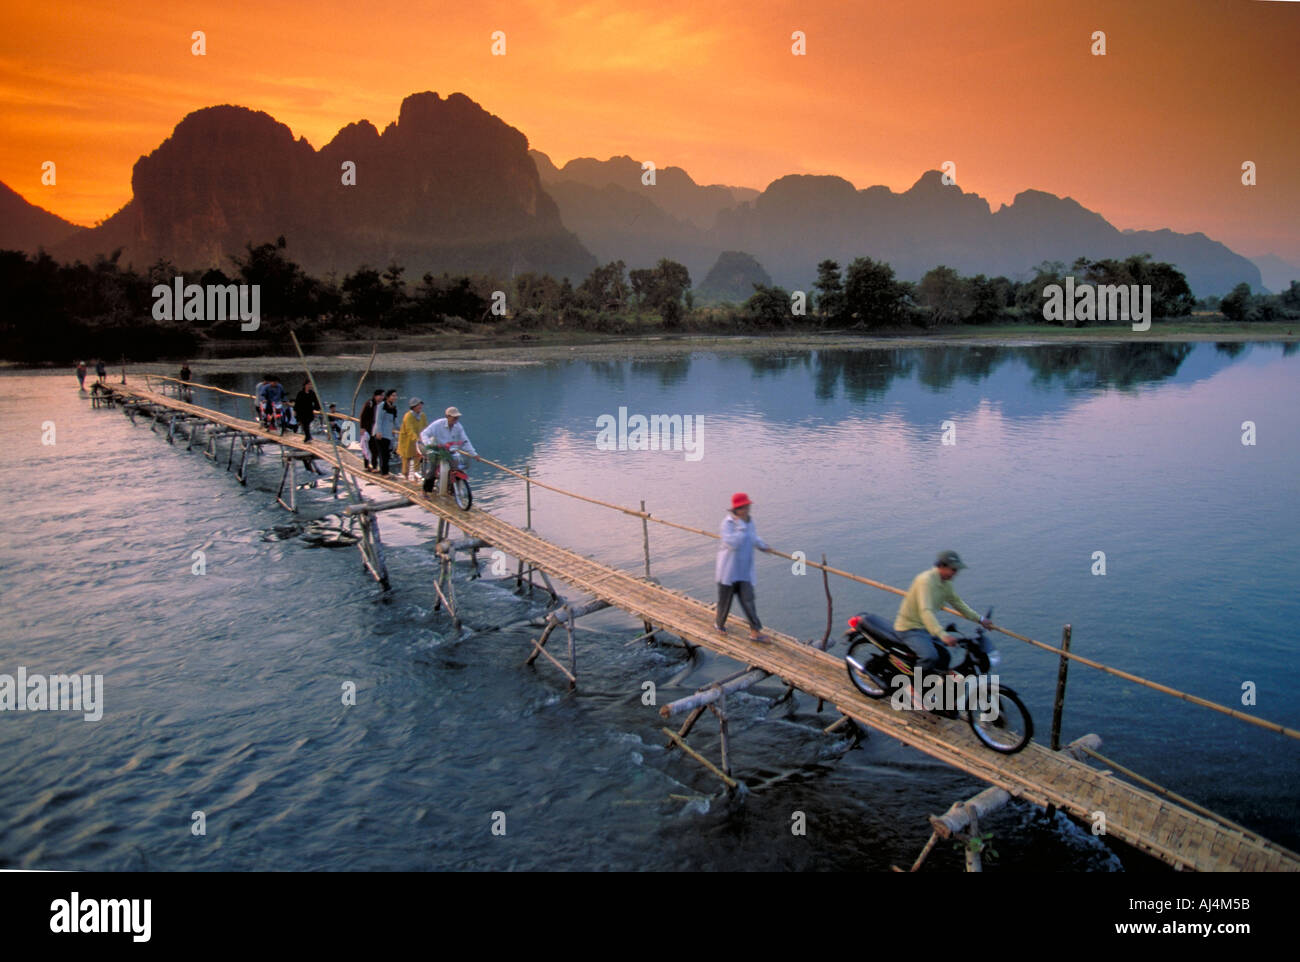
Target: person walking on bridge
<point x="917" y="623"/>
<point x="414" y="422"/>
<point x="734" y="571"/>
<point x="385" y="431"/>
<point x="367" y="425"/>
<point x="305" y="406"/>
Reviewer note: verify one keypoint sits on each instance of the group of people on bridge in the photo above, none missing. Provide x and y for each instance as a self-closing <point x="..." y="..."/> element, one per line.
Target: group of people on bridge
<point x="414" y="440"/>
<point x="917" y="622"/>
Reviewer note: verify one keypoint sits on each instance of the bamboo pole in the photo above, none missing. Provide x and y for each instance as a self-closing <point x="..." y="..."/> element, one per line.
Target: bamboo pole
<point x="730" y="782"/>
<point x="1059" y="706"/>
<point x="540" y="644"/>
<point x="720" y="712"/>
<point x="1174" y="796"/>
<point x="973" y="861"/>
<point x="714" y="692"/>
<point x="934" y="837"/>
<point x="539" y="650"/>
<point x="364" y="374"/>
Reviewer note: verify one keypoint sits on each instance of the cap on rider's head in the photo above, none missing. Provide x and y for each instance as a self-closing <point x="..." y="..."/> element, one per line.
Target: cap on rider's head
<point x="452" y="412"/>
<point x="950" y="559"/>
<point x="416" y="402"/>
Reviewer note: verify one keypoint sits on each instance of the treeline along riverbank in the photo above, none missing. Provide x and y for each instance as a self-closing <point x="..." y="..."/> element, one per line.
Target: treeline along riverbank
<point x="60" y="313"/>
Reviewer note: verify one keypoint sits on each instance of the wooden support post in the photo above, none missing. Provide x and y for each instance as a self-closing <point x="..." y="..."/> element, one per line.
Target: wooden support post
<point x="240" y="475"/>
<point x="1058" y="707"/>
<point x="691" y="719"/>
<point x="973" y="862"/>
<point x="727" y="779"/>
<point x="707" y="696"/>
<point x="573" y="650"/>
<point x="837" y="725"/>
<point x="372" y="549"/>
<point x="645" y="548"/>
<point x="720" y="712"/>
<point x="289" y="474"/>
<point x="451" y="593"/>
<point x="934" y="837"/>
<point x="540" y="644"/>
<point x="555" y="595"/>
<point x="539" y="650"/>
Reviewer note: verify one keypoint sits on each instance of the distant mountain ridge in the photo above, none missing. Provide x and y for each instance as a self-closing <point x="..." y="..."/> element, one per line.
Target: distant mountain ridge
<point x="451" y="187"/>
<point x="801" y="219"/>
<point x="448" y="187"/>
<point x="26" y="227"/>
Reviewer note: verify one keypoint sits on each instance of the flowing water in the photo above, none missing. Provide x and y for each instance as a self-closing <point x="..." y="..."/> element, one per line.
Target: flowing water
<point x="223" y="690"/>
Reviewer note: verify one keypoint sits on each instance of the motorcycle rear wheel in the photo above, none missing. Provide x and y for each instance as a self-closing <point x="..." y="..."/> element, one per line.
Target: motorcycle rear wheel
<point x="864" y="670"/>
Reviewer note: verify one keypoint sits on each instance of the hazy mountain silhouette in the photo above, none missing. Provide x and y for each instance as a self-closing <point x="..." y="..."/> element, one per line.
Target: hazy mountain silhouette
<point x="732" y="278"/>
<point x="447" y="187"/>
<point x="451" y="187"/>
<point x="800" y="220"/>
<point x="1275" y="273"/>
<point x="26" y="227"/>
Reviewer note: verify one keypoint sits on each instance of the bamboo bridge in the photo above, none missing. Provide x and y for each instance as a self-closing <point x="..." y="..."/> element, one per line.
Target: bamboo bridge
<point x="1154" y="821"/>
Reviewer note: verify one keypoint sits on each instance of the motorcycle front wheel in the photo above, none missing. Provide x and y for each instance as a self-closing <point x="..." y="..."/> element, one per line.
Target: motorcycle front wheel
<point x="463" y="495"/>
<point x="1011" y="729"/>
<point x="864" y="669"/>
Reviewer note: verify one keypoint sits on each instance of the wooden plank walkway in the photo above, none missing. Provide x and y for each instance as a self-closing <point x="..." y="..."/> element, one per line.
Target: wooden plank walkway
<point x="1152" y="824"/>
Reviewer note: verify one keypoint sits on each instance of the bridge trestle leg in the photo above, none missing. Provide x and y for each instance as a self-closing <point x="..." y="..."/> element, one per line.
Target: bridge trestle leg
<point x="240" y="475"/>
<point x="372" y="549"/>
<point x="288" y="474"/>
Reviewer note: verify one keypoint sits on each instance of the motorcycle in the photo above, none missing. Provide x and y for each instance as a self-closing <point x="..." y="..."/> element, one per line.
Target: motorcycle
<point x="879" y="663"/>
<point x="459" y="479"/>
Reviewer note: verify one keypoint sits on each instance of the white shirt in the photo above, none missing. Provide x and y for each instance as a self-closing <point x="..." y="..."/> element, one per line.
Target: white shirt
<point x="736" y="555"/>
<point x="439" y="433"/>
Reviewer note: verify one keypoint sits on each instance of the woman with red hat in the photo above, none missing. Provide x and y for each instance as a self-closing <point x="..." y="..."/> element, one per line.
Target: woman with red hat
<point x="735" y="568"/>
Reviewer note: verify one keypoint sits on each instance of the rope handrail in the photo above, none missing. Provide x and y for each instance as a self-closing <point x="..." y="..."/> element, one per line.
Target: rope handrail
<point x="221" y="390"/>
<point x="1117" y="672"/>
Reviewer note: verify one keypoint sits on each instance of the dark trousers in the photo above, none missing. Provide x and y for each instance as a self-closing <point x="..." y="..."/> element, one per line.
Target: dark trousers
<point x="383" y="450"/>
<point x="305" y="422"/>
<point x="742" y="591"/>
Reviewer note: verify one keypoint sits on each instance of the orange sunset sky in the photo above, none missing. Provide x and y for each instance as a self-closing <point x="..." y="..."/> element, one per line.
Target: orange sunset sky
<point x="1151" y="135"/>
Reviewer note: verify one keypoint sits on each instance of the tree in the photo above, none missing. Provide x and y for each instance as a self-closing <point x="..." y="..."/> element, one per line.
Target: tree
<point x="768" y="306"/>
<point x="830" y="292"/>
<point x="945" y="295"/>
<point x="1236" y="304"/>
<point x="605" y="288"/>
<point x="872" y="297"/>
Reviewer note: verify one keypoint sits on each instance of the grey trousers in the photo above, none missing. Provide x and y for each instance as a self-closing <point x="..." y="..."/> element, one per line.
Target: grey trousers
<point x="743" y="591"/>
<point x="929" y="652"/>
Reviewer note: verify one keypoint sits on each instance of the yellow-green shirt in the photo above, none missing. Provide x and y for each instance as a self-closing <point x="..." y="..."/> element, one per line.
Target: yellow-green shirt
<point x="925" y="599"/>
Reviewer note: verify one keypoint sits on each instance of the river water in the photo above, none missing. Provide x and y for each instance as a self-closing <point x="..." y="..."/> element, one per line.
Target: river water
<point x="222" y="691"/>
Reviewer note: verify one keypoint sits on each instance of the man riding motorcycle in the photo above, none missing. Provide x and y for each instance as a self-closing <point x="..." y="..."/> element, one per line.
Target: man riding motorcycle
<point x="446" y="433"/>
<point x="917" y="623"/>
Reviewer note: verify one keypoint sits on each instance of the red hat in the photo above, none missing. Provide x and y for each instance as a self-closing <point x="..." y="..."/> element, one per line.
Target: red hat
<point x="739" y="500"/>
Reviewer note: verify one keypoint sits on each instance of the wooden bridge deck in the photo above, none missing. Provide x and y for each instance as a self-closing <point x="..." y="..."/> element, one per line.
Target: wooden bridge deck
<point x="1174" y="834"/>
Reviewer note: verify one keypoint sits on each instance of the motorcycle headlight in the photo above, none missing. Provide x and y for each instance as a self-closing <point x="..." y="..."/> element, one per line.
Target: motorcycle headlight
<point x="995" y="659"/>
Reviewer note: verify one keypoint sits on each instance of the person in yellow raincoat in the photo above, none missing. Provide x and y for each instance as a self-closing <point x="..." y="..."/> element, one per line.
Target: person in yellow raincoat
<point x="413" y="423"/>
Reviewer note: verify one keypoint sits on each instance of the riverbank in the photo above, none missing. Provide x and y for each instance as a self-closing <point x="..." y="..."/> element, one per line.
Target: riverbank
<point x="479" y="351"/>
